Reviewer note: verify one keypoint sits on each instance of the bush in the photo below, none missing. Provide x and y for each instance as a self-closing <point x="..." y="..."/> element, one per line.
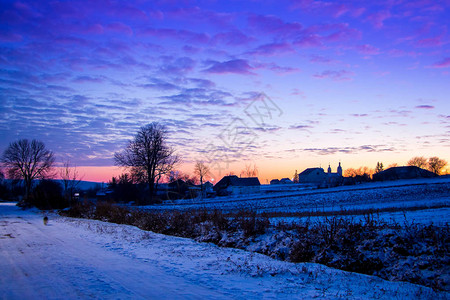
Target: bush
<point x="48" y="194"/>
<point x="409" y="253"/>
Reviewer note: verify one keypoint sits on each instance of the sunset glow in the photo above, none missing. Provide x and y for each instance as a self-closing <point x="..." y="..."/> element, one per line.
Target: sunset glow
<point x="283" y="85"/>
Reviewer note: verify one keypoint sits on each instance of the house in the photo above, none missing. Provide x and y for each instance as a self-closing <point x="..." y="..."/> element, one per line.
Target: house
<point x="233" y="185"/>
<point x="207" y="190"/>
<point x="312" y="175"/>
<point x="274" y="181"/>
<point x="285" y="180"/>
<point x="407" y="172"/>
<point x="319" y="177"/>
<point x="208" y="187"/>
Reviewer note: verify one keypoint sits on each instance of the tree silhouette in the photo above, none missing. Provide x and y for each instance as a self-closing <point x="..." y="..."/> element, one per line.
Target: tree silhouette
<point x="148" y="156"/>
<point x="70" y="179"/>
<point x="28" y="161"/>
<point x="201" y="170"/>
<point x="418" y="161"/>
<point x="379" y="167"/>
<point x="435" y="164"/>
<point x="296" y="179"/>
<point x="250" y="171"/>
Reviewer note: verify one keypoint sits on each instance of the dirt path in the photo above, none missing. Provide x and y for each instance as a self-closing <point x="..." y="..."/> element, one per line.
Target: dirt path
<point x="54" y="262"/>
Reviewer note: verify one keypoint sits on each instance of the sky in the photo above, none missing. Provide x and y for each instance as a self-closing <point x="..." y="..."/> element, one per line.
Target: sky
<point x="283" y="85"/>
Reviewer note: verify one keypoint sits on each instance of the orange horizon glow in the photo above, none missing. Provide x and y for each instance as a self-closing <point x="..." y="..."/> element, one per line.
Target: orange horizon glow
<point x="267" y="169"/>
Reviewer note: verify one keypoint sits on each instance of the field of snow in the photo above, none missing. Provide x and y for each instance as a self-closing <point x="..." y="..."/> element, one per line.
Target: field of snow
<point x="79" y="259"/>
<point x="402" y="195"/>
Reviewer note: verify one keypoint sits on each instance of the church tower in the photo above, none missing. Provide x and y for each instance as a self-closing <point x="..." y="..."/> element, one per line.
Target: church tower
<point x="329" y="169"/>
<point x="339" y="169"/>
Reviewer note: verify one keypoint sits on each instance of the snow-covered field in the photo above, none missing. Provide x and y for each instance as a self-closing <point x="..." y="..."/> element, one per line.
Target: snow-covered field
<point x="403" y="195"/>
<point x="79" y="259"/>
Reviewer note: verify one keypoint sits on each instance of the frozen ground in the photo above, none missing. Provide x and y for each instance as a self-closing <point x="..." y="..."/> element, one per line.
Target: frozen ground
<point x="79" y="259"/>
<point x="403" y="195"/>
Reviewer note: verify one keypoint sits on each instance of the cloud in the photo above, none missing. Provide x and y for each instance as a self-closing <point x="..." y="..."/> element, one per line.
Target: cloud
<point x="198" y="15"/>
<point x="321" y="35"/>
<point x="424" y="107"/>
<point x="236" y="66"/>
<point x="367" y="49"/>
<point x="341" y="75"/>
<point x="377" y="19"/>
<point x="178" y="34"/>
<point x="199" y="96"/>
<point x="321" y="59"/>
<point x="87" y="79"/>
<point x="430" y="42"/>
<point x="272" y="49"/>
<point x="231" y="38"/>
<point x="159" y="84"/>
<point x="274" y="25"/>
<point x="349" y="150"/>
<point x="444" y="63"/>
<point x="179" y="65"/>
<point x="300" y="127"/>
<point x="118" y="27"/>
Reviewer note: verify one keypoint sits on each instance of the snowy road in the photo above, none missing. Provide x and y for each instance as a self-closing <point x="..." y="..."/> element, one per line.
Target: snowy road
<point x="88" y="259"/>
<point x="49" y="262"/>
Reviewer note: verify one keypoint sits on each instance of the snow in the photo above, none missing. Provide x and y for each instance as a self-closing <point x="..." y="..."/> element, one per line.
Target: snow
<point x="405" y="195"/>
<point x="79" y="259"/>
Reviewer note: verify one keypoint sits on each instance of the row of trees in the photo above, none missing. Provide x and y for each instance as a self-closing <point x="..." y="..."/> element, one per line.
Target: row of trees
<point x="27" y="161"/>
<point x="433" y="164"/>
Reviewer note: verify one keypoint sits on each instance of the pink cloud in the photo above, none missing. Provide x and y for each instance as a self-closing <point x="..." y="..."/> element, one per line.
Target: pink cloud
<point x="273" y="24"/>
<point x="402" y="53"/>
<point x="430" y="42"/>
<point x="445" y="63"/>
<point x="309" y="41"/>
<point x="367" y="49"/>
<point x="185" y="35"/>
<point x="377" y="19"/>
<point x="321" y="59"/>
<point x="120" y="28"/>
<point x="235" y="37"/>
<point x="330" y="8"/>
<point x="95" y="29"/>
<point x="130" y="12"/>
<point x="318" y="34"/>
<point x="196" y="14"/>
<point x="343" y="33"/>
<point x="237" y="66"/>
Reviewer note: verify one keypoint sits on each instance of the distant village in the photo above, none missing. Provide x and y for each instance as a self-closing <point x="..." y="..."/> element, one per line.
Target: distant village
<point x="310" y="178"/>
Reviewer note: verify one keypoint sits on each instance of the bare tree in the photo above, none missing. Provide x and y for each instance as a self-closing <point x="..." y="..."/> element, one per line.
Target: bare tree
<point x="379" y="168"/>
<point x="361" y="171"/>
<point x="28" y="161"/>
<point x="418" y="161"/>
<point x="201" y="170"/>
<point x="70" y="178"/>
<point x="250" y="171"/>
<point x="296" y="179"/>
<point x="435" y="164"/>
<point x="148" y="155"/>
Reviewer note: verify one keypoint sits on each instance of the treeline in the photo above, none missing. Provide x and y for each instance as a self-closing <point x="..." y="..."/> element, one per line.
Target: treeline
<point x="433" y="164"/>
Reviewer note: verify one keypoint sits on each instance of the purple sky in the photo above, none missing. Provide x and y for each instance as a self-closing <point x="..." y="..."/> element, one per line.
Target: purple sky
<point x="329" y="81"/>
